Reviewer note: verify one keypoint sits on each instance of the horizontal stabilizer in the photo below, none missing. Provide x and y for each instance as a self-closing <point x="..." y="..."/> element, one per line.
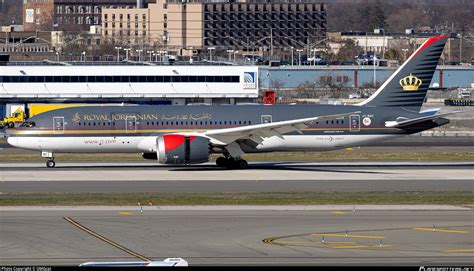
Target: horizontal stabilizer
<point x="401" y="122"/>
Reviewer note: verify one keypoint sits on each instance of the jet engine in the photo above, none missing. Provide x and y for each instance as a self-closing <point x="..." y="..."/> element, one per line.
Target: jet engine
<point x="180" y="149"/>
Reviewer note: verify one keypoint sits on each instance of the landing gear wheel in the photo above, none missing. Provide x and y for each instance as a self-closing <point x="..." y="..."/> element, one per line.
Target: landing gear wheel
<point x="50" y="163"/>
<point x="241" y="164"/>
<point x="221" y="162"/>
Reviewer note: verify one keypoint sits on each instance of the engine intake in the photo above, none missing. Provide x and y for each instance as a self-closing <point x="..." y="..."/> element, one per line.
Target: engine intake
<point x="180" y="149"/>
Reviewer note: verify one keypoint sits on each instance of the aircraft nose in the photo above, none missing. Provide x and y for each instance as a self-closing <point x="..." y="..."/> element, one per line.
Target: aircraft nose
<point x="13" y="141"/>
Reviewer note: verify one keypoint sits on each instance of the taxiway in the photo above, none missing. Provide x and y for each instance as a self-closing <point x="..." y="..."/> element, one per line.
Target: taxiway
<point x="227" y="237"/>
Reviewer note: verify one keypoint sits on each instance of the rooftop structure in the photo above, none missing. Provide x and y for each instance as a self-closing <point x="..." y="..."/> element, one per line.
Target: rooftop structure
<point x="125" y="83"/>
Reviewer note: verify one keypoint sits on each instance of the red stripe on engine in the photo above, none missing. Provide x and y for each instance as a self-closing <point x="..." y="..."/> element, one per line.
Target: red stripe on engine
<point x="173" y="141"/>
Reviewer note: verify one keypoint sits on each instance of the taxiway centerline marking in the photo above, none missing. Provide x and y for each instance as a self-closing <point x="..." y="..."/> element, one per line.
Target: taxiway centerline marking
<point x="108" y="241"/>
<point x="439" y="230"/>
<point x="460" y="250"/>
<point x="348" y="235"/>
<point x="339" y="213"/>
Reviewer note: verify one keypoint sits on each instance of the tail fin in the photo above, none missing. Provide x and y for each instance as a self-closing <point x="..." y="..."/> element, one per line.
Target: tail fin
<point x="408" y="85"/>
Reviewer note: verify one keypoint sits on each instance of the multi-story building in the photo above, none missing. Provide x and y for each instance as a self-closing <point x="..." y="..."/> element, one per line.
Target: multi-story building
<point x="38" y="15"/>
<point x="243" y="25"/>
<point x="69" y="15"/>
<point x="80" y="15"/>
<point x="126" y="26"/>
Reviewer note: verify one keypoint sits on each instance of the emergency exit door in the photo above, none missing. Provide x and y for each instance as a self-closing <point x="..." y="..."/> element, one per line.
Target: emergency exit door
<point x="354" y="121"/>
<point x="131" y="124"/>
<point x="266" y="119"/>
<point x="58" y="125"/>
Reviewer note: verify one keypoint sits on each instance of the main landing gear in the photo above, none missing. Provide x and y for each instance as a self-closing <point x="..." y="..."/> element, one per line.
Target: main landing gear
<point x="231" y="163"/>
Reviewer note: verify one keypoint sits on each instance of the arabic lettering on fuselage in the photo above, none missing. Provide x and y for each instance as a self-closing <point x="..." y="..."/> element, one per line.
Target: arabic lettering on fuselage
<point x="125" y="116"/>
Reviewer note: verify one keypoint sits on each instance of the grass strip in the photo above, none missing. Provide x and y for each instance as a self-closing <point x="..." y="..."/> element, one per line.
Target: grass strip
<point x="121" y="199"/>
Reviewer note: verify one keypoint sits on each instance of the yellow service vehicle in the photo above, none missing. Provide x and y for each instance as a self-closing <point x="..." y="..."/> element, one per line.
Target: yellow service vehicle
<point x="17" y="117"/>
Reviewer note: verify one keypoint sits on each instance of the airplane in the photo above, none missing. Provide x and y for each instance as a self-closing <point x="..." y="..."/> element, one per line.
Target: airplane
<point x="183" y="135"/>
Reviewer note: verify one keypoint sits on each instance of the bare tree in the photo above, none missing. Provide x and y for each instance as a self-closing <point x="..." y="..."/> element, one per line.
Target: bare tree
<point x="349" y="50"/>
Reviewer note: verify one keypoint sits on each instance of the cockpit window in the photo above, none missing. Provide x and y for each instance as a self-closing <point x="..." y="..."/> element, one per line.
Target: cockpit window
<point x="28" y="124"/>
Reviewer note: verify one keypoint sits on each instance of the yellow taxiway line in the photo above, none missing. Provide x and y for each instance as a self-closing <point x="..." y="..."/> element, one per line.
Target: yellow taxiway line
<point x="123" y="213"/>
<point x="339" y="213"/>
<point x="439" y="230"/>
<point x="460" y="250"/>
<point x="349" y="235"/>
<point x="108" y="241"/>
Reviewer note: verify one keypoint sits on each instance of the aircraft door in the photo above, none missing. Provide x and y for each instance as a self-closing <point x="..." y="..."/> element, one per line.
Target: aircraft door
<point x="354" y="122"/>
<point x="266" y="119"/>
<point x="131" y="124"/>
<point x="58" y="125"/>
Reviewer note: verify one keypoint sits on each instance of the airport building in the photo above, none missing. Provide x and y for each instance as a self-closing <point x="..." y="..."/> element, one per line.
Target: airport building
<point x="68" y="15"/>
<point x="240" y="25"/>
<point x="138" y="83"/>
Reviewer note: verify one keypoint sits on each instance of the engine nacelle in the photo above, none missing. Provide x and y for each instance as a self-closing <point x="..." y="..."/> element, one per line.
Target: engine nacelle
<point x="179" y="149"/>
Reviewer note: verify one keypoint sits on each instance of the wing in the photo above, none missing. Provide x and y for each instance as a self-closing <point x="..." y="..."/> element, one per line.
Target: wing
<point x="402" y="122"/>
<point x="259" y="132"/>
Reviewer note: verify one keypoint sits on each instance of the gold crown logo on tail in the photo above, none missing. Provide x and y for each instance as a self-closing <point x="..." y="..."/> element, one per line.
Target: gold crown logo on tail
<point x="410" y="83"/>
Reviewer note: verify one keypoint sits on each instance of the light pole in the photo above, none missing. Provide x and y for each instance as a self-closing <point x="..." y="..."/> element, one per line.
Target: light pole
<point x="118" y="53"/>
<point x="139" y="51"/>
<point x="383" y="43"/>
<point x="292" y="55"/>
<point x="299" y="56"/>
<point x="126" y="53"/>
<point x="230" y="54"/>
<point x="57" y="56"/>
<point x="314" y="50"/>
<point x="84" y="54"/>
<point x="210" y="52"/>
<point x="235" y="52"/>
<point x="375" y="74"/>
<point x="149" y="54"/>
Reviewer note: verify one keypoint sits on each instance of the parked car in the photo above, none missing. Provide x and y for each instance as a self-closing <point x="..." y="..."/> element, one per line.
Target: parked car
<point x="354" y="96"/>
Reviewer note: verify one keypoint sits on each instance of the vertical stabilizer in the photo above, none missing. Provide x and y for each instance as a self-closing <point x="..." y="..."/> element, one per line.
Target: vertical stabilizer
<point x="408" y="85"/>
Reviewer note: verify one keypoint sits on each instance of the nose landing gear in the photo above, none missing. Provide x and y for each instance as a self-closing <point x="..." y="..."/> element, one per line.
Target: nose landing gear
<point x="50" y="163"/>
